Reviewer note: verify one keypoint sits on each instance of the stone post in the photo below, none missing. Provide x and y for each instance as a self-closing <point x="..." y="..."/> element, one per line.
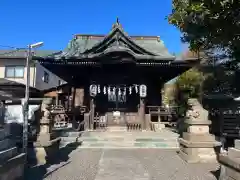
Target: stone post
<point x="47" y="143"/>
<point x="230" y="163"/>
<point x="12" y="163"/>
<point x="197" y="144"/>
<point x="142" y="113"/>
<point x="86" y="121"/>
<point x="92" y="113"/>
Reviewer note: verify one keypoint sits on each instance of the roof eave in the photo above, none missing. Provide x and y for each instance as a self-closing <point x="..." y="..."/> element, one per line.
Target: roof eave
<point x="12" y="57"/>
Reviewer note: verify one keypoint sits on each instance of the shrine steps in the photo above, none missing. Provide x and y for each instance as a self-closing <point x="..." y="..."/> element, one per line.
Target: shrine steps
<point x="120" y="137"/>
<point x="68" y="136"/>
<point x="128" y="139"/>
<point x="116" y="129"/>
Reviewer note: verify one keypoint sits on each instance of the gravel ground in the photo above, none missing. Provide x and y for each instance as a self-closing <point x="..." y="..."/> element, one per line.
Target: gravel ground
<point x="124" y="164"/>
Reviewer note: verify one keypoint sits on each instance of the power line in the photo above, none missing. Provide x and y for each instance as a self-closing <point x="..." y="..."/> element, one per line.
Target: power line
<point x="8" y="47"/>
<point x="10" y="52"/>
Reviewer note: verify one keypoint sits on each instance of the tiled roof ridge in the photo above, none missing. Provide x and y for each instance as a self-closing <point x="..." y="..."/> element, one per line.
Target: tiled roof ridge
<point x="101" y="36"/>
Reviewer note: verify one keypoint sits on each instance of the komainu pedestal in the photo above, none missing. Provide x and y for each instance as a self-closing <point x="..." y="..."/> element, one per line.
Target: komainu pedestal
<point x="12" y="163"/>
<point x="47" y="144"/>
<point x="230" y="163"/>
<point x="197" y="144"/>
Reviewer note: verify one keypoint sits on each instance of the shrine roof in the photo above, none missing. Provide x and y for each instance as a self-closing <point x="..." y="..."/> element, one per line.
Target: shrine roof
<point x="152" y="44"/>
<point x="86" y="46"/>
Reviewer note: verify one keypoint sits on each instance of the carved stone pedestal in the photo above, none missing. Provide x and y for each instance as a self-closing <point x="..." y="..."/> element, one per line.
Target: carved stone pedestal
<point x="230" y="163"/>
<point x="11" y="162"/>
<point x="197" y="145"/>
<point x="46" y="147"/>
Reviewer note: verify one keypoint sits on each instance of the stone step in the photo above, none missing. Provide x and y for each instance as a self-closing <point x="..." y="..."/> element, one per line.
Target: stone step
<point x="138" y="138"/>
<point x="116" y="129"/>
<point x="123" y="139"/>
<point x="130" y="133"/>
<point x="69" y="139"/>
<point x="131" y="145"/>
<point x="117" y="142"/>
<point x="136" y="133"/>
<point x="70" y="134"/>
<point x="8" y="153"/>
<point x="112" y="147"/>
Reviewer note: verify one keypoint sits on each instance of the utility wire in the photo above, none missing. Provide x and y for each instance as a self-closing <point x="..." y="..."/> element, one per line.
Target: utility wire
<point x="12" y="51"/>
<point x="8" y="47"/>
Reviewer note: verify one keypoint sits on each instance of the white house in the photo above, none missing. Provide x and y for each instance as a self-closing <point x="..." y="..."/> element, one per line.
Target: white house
<point x="13" y="67"/>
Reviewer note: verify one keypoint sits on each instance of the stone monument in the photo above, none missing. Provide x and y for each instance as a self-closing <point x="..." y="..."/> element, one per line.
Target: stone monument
<point x="47" y="143"/>
<point x="230" y="163"/>
<point x="197" y="144"/>
<point x="12" y="163"/>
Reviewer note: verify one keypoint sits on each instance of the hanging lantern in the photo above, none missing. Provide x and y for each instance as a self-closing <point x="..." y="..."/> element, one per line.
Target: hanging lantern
<point x="93" y="90"/>
<point x="143" y="91"/>
<point x="99" y="90"/>
<point x="104" y="90"/>
<point x="119" y="92"/>
<point x="130" y="90"/>
<point x="109" y="91"/>
<point x="136" y="88"/>
<point x="114" y="91"/>
<point x="125" y="91"/>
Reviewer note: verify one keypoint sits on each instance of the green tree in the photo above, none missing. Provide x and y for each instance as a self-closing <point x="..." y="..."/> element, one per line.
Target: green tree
<point x="190" y="82"/>
<point x="209" y="25"/>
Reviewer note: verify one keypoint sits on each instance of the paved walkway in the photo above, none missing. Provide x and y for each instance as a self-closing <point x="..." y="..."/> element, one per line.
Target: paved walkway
<point x="124" y="164"/>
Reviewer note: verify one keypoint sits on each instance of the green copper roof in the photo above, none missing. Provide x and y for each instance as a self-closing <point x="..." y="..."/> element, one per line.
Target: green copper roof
<point x="154" y="45"/>
<point x="151" y="44"/>
<point x="92" y="46"/>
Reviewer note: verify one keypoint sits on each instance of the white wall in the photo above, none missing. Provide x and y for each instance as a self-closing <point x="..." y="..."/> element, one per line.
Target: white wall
<point x="36" y="74"/>
<point x="53" y="79"/>
<point x="17" y="62"/>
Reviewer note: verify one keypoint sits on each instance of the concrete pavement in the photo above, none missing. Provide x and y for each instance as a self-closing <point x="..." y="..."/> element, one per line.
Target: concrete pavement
<point x="124" y="164"/>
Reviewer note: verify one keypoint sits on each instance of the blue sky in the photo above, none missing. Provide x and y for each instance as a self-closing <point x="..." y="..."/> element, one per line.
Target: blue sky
<point x="56" y="21"/>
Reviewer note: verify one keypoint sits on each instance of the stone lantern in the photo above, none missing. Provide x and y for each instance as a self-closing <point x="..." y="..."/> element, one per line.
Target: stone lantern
<point x="197" y="144"/>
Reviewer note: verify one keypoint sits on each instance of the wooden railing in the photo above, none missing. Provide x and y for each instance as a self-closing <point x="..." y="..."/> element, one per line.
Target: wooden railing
<point x="134" y="126"/>
<point x="100" y="123"/>
<point x="169" y="115"/>
<point x="132" y="122"/>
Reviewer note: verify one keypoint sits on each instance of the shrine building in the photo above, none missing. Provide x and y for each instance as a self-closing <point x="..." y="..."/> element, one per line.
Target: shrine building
<point x="116" y="77"/>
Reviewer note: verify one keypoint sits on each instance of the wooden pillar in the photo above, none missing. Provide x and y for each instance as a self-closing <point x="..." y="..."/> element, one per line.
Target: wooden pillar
<point x="92" y="112"/>
<point x="57" y="99"/>
<point x="142" y="113"/>
<point x="79" y="96"/>
<point x="69" y="91"/>
<point x="159" y="116"/>
<point x="74" y="121"/>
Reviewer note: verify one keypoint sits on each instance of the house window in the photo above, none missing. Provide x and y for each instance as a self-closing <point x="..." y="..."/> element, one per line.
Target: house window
<point x="14" y="71"/>
<point x="46" y="77"/>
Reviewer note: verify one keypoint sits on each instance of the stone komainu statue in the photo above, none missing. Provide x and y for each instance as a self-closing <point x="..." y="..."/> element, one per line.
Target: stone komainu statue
<point x="196" y="111"/>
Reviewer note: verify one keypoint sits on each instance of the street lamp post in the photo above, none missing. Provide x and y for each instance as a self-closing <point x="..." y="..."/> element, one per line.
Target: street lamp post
<point x="26" y="99"/>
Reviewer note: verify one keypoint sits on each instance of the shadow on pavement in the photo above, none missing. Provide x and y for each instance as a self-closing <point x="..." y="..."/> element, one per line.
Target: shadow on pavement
<point x="42" y="171"/>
